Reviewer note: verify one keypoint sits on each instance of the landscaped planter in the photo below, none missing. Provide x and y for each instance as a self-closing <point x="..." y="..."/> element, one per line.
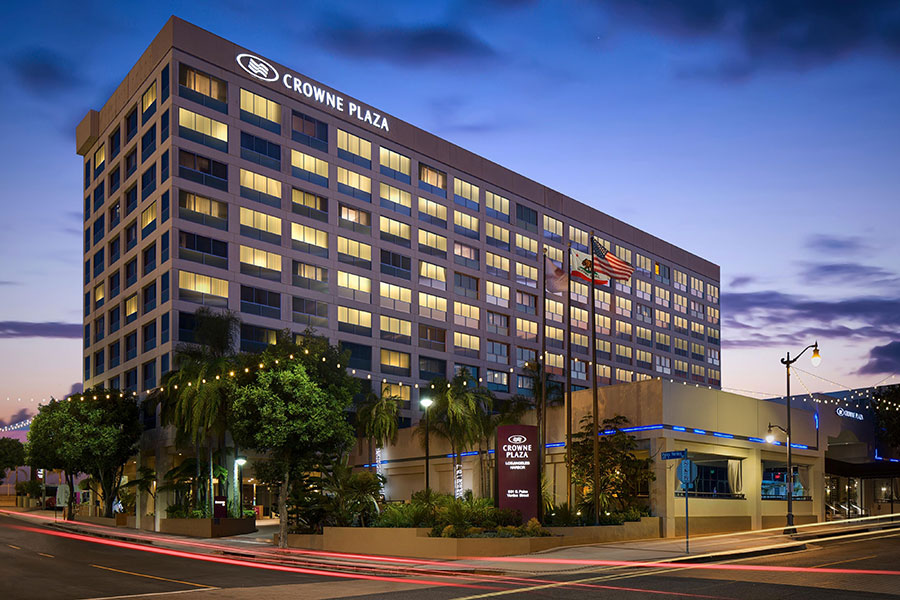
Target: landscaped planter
<point x="207" y="528"/>
<point x="415" y="542"/>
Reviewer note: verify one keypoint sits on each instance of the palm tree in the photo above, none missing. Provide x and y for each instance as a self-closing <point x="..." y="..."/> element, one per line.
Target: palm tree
<point x="196" y="399"/>
<point x="378" y="419"/>
<point x="494" y="412"/>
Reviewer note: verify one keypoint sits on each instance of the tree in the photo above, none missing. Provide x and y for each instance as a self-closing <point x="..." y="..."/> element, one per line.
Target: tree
<point x="378" y="419"/>
<point x="95" y="433"/>
<point x="493" y="412"/>
<point x="196" y="398"/>
<point x="12" y="454"/>
<point x="288" y="410"/>
<point x="887" y="416"/>
<point x="622" y="473"/>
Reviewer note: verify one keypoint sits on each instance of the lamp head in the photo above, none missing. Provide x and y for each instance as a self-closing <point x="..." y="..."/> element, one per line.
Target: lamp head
<point x="770" y="436"/>
<point x="240" y="461"/>
<point x="816" y="358"/>
<point x="426" y="402"/>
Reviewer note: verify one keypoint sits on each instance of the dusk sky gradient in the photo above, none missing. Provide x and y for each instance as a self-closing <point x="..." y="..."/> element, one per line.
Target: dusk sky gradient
<point x="762" y="135"/>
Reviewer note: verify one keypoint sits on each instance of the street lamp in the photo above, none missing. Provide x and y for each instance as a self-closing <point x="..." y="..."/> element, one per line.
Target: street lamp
<point x="239" y="462"/>
<point x="426" y="403"/>
<point x="787" y="362"/>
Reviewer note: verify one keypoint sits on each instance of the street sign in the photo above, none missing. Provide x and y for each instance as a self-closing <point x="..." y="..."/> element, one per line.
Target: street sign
<point x="687" y="471"/>
<point x="674" y="454"/>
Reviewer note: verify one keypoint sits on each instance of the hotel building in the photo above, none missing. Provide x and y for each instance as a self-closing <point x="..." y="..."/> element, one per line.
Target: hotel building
<point x="216" y="177"/>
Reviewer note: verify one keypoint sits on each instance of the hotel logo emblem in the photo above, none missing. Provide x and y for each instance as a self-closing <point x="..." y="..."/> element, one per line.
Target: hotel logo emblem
<point x="517" y="439"/>
<point x="257" y="67"/>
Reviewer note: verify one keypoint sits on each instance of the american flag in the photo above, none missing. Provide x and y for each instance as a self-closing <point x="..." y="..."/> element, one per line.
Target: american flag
<point x="609" y="264"/>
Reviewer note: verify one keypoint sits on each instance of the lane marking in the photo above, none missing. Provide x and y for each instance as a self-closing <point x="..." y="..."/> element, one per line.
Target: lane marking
<point x="152" y="594"/>
<point x="13" y="547"/>
<point x="47" y="555"/>
<point x="199" y="585"/>
<point x="840" y="562"/>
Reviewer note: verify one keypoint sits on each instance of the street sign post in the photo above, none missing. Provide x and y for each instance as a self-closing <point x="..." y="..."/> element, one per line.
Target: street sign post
<point x="687" y="474"/>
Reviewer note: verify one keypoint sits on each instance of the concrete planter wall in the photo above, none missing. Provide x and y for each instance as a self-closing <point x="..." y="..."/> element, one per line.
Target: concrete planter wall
<point x="415" y="542"/>
<point x="207" y="528"/>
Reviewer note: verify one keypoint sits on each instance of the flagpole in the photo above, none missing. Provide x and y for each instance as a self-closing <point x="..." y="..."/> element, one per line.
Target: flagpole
<point x="595" y="492"/>
<point x="542" y="405"/>
<point x="569" y="376"/>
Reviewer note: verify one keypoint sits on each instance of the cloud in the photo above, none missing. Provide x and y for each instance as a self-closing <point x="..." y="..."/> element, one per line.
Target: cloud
<point x="833" y="243"/>
<point x="771" y="34"/>
<point x="44" y="72"/>
<point x="407" y="45"/>
<point x="52" y="329"/>
<point x="741" y="281"/>
<point x="848" y="273"/>
<point x="7" y="282"/>
<point x="17" y="417"/>
<point x="883" y="360"/>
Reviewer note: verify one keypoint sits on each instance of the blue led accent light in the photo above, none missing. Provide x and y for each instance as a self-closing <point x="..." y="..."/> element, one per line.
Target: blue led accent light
<point x="450" y="455"/>
<point x="800" y="446"/>
<point x="472" y="453"/>
<point x="723" y="435"/>
<point x="757" y="440"/>
<point x="816" y="418"/>
<point x="641" y="428"/>
<point x="894" y="459"/>
<point x="700" y="431"/>
<point x="677" y="428"/>
<point x="556" y="445"/>
<point x="491" y="451"/>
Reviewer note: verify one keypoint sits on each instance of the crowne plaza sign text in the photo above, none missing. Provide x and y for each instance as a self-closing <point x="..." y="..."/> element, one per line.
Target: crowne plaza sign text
<point x="264" y="71"/>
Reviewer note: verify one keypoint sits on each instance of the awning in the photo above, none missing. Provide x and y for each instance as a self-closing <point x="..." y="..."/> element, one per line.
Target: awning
<point x="869" y="470"/>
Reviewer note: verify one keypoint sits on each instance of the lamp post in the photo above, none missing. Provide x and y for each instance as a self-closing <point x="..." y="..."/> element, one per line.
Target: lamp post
<point x="239" y="462"/>
<point x="426" y="403"/>
<point x="787" y="362"/>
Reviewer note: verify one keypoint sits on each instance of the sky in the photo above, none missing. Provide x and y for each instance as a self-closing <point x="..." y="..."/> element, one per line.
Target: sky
<point x="762" y="135"/>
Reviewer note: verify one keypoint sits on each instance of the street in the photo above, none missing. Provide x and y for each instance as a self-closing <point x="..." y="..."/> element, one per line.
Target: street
<point x="44" y="562"/>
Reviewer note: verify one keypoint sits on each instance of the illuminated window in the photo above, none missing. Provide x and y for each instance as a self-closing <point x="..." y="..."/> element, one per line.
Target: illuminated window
<point x="99" y="295"/>
<point x="579" y="317"/>
<point x="433" y="276"/>
<point x="432" y="243"/>
<point x="396" y="199"/>
<point x="680" y="280"/>
<point x="554" y="310"/>
<point x="204" y="130"/>
<point x="148" y="216"/>
<point x="643" y="289"/>
<point x="662" y="273"/>
<point x="395" y="363"/>
<point x="261" y="222"/>
<point x="554" y="336"/>
<point x="354" y="253"/>
<point x="202" y="210"/>
<point x="497" y="294"/>
<point x="663" y="365"/>
<point x="262" y="108"/>
<point x="394" y="231"/>
<point x="680" y="324"/>
<point x="354" y="149"/>
<point x="497" y="236"/>
<point x="99" y="158"/>
<point x="680" y="304"/>
<point x="496" y="264"/>
<point x="432" y="212"/>
<point x="578" y="292"/>
<point x="555" y="363"/>
<point x="643" y="336"/>
<point x="698" y="373"/>
<point x="553" y="228"/>
<point x="465" y="255"/>
<point x="698" y="331"/>
<point x="698" y="351"/>
<point x="255" y="186"/>
<point x="715" y="376"/>
<point x="525" y="302"/>
<point x="580" y="239"/>
<point x="624" y="354"/>
<point x="195" y="287"/>
<point x="602" y="324"/>
<point x="309" y="239"/>
<point x="465" y="344"/>
<point x="602" y="299"/>
<point x="623" y="306"/>
<point x="696" y="287"/>
<point x="432" y="307"/>
<point x="148" y="99"/>
<point x="465" y="194"/>
<point x="496" y="206"/>
<point x="526" y="275"/>
<point x="663" y="319"/>
<point x="680" y="347"/>
<point x="205" y="85"/>
<point x="712" y="293"/>
<point x="307" y="167"/>
<point x="395" y="297"/>
<point x="555" y="255"/>
<point x="309" y="205"/>
<point x="432" y="180"/>
<point x="662" y="297"/>
<point x="355" y="219"/>
<point x="311" y="277"/>
<point x="352" y="320"/>
<point x="624" y="330"/>
<point x="604" y="349"/>
<point x="260" y="263"/>
<point x="466" y="315"/>
<point x="663" y="341"/>
<point x="131" y="306"/>
<point x="624" y="375"/>
<point x="465" y="224"/>
<point x="525" y="246"/>
<point x="354" y="287"/>
<point x="394" y="164"/>
<point x="395" y="330"/>
<point x="643" y="359"/>
<point x="680" y="368"/>
<point x="712" y="315"/>
<point x="642" y="264"/>
<point x="354" y="184"/>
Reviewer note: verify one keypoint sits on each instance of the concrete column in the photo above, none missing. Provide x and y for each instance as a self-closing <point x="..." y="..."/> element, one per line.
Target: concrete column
<point x="752" y="471"/>
<point x="163" y="464"/>
<point x="662" y="489"/>
<point x="139" y="499"/>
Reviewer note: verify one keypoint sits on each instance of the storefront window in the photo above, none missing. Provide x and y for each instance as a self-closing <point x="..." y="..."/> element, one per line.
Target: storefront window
<point x="715" y="479"/>
<point x="774" y="481"/>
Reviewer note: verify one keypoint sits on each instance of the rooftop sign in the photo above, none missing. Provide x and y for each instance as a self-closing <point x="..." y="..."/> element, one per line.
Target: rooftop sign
<point x="848" y="414"/>
<point x="264" y="71"/>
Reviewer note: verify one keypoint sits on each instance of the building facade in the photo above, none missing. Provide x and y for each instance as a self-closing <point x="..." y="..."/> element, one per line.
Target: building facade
<point x="214" y="177"/>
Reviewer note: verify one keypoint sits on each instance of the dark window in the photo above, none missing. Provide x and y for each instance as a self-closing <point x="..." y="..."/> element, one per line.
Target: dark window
<point x="164" y="81"/>
<point x="464" y="285"/>
<point x="149" y="258"/>
<point x="114" y="321"/>
<point x="432" y="368"/>
<point x="164" y="288"/>
<point x="99" y="196"/>
<point x="309" y="131"/>
<point x="149" y="295"/>
<point x="187" y="323"/>
<point x="115" y="354"/>
<point x="396" y="265"/>
<point x="148" y="182"/>
<point x="131" y="272"/>
<point x="87" y="173"/>
<point x="256" y="339"/>
<point x="131" y="124"/>
<point x="114" y="284"/>
<point x="114" y="214"/>
<point x="115" y="180"/>
<point x="260" y="151"/>
<point x="99" y="229"/>
<point x="526" y="218"/>
<point x="164" y="167"/>
<point x="149" y="335"/>
<point x="149" y="371"/>
<point x="131" y="380"/>
<point x="164" y="328"/>
<point x="99" y="262"/>
<point x="131" y="345"/>
<point x="260" y="302"/>
<point x="432" y="338"/>
<point x="311" y="313"/>
<point x="115" y="143"/>
<point x="202" y="249"/>
<point x="202" y="170"/>
<point x="99" y="329"/>
<point x="360" y="355"/>
<point x="131" y="163"/>
<point x="148" y="143"/>
<point x="131" y="199"/>
<point x="131" y="236"/>
<point x="164" y="247"/>
<point x="164" y="127"/>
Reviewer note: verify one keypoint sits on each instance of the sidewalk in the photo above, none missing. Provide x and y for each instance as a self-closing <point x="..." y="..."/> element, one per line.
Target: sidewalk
<point x="257" y="546"/>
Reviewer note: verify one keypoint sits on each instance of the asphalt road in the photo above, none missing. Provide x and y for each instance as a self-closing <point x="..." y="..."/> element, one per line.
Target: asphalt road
<point x="35" y="562"/>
